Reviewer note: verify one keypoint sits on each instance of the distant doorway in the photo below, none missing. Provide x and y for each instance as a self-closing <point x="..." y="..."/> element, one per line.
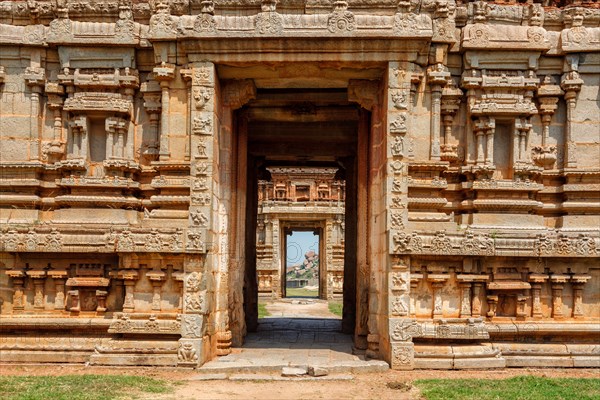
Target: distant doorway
<point x="302" y="265"/>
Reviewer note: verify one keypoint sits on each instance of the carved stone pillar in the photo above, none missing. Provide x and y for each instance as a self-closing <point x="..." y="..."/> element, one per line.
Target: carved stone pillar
<point x="476" y="301"/>
<point x="129" y="278"/>
<point x="178" y="276"/>
<point x="437" y="282"/>
<point x="101" y="301"/>
<point x="558" y="282"/>
<point x="59" y="283"/>
<point x="521" y="304"/>
<point x="157" y="279"/>
<point x="35" y="78"/>
<point x="79" y="137"/>
<point x="578" y="281"/>
<point x="492" y="305"/>
<point x="152" y="104"/>
<point x="489" y="134"/>
<point x="536" y="281"/>
<point x="75" y="304"/>
<point x="414" y="283"/>
<point x="164" y="75"/>
<point x="110" y="137"/>
<point x="55" y="94"/>
<point x="450" y="105"/>
<point x="480" y="129"/>
<point x="39" y="278"/>
<point x="548" y="95"/>
<point x="465" y="302"/>
<point x="18" y="281"/>
<point x="437" y="77"/>
<point x="522" y="129"/>
<point x="571" y="84"/>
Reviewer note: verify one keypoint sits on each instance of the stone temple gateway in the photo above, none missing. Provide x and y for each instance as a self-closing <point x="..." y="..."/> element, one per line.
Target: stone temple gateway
<point x="133" y="136"/>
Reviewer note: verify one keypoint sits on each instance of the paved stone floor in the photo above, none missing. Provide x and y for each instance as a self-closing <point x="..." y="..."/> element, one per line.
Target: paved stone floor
<point x="290" y="338"/>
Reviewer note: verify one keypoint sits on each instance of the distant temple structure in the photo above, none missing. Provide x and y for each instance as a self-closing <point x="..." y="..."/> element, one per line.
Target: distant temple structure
<point x="300" y="198"/>
<point x="153" y="154"/>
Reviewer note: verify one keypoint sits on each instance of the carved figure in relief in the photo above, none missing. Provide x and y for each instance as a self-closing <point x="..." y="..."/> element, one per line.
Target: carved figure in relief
<point x="175" y="241"/>
<point x="200" y="199"/>
<point x="193" y="302"/>
<point x="193" y="282"/>
<point x="199" y="218"/>
<point x="406" y="330"/>
<point x="443" y="330"/>
<point x="201" y="149"/>
<point x="398" y="307"/>
<point x="199" y="184"/>
<point x="399" y="282"/>
<point x="201" y="75"/>
<point x="441" y="243"/>
<point x="202" y="126"/>
<point x="191" y="326"/>
<point x="398" y="147"/>
<point x="269" y="21"/>
<point x="404" y="242"/>
<point x="125" y="241"/>
<point x="405" y="23"/>
<point x="399" y="98"/>
<point x="205" y="21"/>
<point x="194" y="241"/>
<point x="201" y="98"/>
<point x="402" y="355"/>
<point x="153" y="241"/>
<point x="341" y="20"/>
<point x="398" y="125"/>
<point x="162" y="23"/>
<point x="187" y="352"/>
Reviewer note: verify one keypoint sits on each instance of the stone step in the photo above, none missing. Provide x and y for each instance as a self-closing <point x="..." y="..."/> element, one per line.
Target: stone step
<point x="265" y="367"/>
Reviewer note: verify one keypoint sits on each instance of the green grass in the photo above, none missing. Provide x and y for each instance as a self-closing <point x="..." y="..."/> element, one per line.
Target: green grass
<point x="335" y="307"/>
<point x="80" y="387"/>
<point x="262" y="310"/>
<point x="301" y="292"/>
<point x="517" y="388"/>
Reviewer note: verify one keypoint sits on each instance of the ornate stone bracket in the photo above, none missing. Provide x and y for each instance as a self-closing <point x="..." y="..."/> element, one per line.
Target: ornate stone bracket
<point x="236" y="93"/>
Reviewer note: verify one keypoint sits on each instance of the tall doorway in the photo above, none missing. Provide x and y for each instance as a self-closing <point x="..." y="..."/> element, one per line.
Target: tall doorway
<point x="302" y="272"/>
<point x="301" y="129"/>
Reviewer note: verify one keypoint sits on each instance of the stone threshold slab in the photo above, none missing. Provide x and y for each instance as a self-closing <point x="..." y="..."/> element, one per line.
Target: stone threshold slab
<point x="268" y="377"/>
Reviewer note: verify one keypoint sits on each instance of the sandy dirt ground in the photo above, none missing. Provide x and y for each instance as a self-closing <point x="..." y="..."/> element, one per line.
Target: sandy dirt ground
<point x="379" y="386"/>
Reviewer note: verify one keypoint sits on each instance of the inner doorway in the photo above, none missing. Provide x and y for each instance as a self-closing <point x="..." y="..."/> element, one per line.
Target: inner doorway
<point x="302" y="273"/>
<point x="301" y="130"/>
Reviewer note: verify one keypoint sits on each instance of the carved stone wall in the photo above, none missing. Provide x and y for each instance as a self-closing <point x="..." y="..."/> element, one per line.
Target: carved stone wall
<point x="123" y="235"/>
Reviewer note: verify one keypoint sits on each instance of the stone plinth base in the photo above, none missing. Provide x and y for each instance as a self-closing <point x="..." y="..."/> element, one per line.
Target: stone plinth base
<point x="469" y="356"/>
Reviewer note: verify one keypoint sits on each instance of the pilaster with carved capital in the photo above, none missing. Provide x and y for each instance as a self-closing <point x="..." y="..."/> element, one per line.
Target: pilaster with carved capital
<point x="437" y="77"/>
<point x="571" y="85"/>
<point x="578" y="281"/>
<point x="164" y="74"/>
